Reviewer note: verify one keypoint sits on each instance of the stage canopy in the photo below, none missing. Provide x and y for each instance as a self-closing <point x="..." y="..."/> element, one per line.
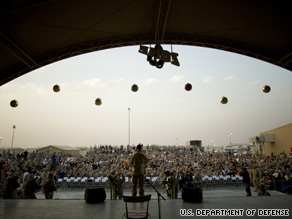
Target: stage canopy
<point x="34" y="33"/>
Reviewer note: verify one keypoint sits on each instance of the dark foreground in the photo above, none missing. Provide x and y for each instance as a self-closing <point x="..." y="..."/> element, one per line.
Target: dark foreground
<point x="228" y="202"/>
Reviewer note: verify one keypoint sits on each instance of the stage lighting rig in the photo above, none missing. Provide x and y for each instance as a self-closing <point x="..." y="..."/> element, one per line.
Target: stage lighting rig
<point x="156" y="56"/>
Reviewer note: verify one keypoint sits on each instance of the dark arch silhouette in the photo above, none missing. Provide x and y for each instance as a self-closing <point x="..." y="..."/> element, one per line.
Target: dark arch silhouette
<point x="34" y="33"/>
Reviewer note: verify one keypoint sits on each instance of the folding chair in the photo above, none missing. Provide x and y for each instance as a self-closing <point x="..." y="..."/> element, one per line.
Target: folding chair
<point x="104" y="181"/>
<point x="97" y="181"/>
<point x="83" y="181"/>
<point x="225" y="181"/>
<point x="90" y="181"/>
<point x="148" y="179"/>
<point x="240" y="179"/>
<point x="154" y="180"/>
<point x="135" y="214"/>
<point x="217" y="181"/>
<point x="210" y="181"/>
<point x="127" y="183"/>
<point x="60" y="183"/>
<point x="75" y="183"/>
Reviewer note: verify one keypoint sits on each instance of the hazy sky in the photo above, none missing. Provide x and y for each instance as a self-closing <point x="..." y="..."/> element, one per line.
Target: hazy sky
<point x="162" y="112"/>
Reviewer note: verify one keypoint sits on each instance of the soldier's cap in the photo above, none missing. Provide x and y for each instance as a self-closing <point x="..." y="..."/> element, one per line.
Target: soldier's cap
<point x="139" y="146"/>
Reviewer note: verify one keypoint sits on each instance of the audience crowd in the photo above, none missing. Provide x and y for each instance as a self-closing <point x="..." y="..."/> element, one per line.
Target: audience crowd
<point x="19" y="169"/>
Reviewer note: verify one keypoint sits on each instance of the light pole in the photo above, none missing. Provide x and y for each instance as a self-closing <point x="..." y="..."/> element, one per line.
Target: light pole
<point x="14" y="127"/>
<point x="176" y="141"/>
<point x="230" y="134"/>
<point x="129" y="126"/>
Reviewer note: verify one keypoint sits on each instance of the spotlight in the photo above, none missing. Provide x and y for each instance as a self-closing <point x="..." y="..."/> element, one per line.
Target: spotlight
<point x="56" y="88"/>
<point x="266" y="89"/>
<point x="14" y="103"/>
<point x="224" y="100"/>
<point x="154" y="56"/>
<point x="98" y="102"/>
<point x="134" y="88"/>
<point x="188" y="87"/>
<point x="159" y="63"/>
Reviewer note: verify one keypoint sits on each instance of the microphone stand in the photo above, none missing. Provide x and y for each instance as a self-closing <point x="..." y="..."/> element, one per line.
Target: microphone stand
<point x="158" y="194"/>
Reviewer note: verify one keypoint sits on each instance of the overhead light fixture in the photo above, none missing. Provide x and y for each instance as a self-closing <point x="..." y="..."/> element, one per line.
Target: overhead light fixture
<point x="157" y="56"/>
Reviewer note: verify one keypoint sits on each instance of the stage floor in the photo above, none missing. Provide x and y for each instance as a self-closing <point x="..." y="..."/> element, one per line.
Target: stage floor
<point x="213" y="199"/>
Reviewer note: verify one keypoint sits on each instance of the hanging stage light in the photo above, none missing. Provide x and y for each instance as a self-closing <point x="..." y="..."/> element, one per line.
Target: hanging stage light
<point x="266" y="89"/>
<point x="224" y="100"/>
<point x="98" y="101"/>
<point x="134" y="88"/>
<point x="157" y="56"/>
<point x="188" y="87"/>
<point x="56" y="88"/>
<point x="14" y="103"/>
<point x="159" y="63"/>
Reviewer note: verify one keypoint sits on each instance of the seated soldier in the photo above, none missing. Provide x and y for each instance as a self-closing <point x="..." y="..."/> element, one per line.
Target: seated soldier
<point x="263" y="191"/>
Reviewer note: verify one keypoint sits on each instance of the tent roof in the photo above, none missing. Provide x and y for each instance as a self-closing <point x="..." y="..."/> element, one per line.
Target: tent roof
<point x="34" y="33"/>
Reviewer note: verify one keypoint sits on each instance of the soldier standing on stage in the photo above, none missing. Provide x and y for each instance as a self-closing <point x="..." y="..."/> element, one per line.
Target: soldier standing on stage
<point x="172" y="185"/>
<point x="255" y="177"/>
<point x="112" y="180"/>
<point x="119" y="190"/>
<point x="116" y="182"/>
<point x="198" y="180"/>
<point x="49" y="187"/>
<point x="30" y="187"/>
<point x="138" y="161"/>
<point x="246" y="180"/>
<point x="10" y="191"/>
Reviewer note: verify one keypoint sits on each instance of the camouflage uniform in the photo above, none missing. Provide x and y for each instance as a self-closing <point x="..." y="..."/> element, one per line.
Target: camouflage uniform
<point x="263" y="191"/>
<point x="30" y="188"/>
<point x="172" y="185"/>
<point x="198" y="180"/>
<point x="44" y="177"/>
<point x="117" y="185"/>
<point x="112" y="179"/>
<point x="49" y="187"/>
<point x="255" y="177"/>
<point x="138" y="161"/>
<point x="120" y="179"/>
<point x="11" y="188"/>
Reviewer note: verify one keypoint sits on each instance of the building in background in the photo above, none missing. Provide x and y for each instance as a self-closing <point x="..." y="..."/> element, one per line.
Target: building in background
<point x="275" y="141"/>
<point x="54" y="148"/>
<point x="195" y="145"/>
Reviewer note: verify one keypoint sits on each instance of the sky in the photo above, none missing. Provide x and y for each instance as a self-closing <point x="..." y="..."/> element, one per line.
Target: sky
<point x="161" y="111"/>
